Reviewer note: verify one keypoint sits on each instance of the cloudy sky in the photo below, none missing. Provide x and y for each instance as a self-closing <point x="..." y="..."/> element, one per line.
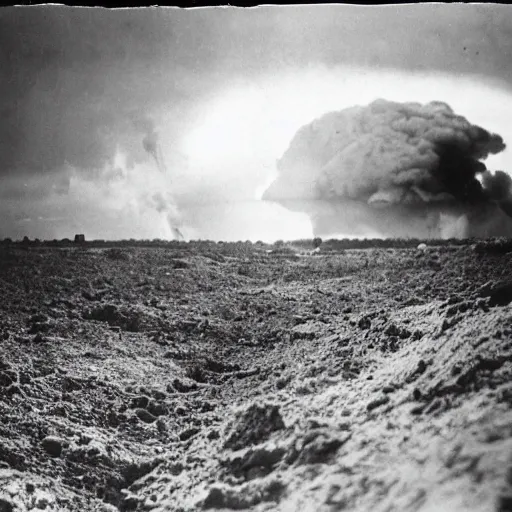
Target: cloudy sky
<point x="122" y="123"/>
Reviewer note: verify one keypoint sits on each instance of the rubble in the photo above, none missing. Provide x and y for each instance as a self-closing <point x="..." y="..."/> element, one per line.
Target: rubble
<point x="299" y="384"/>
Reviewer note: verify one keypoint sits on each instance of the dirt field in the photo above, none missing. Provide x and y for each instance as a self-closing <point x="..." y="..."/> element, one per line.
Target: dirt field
<point x="238" y="377"/>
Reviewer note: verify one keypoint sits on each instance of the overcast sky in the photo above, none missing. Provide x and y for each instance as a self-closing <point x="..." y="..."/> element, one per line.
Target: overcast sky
<point x="224" y="89"/>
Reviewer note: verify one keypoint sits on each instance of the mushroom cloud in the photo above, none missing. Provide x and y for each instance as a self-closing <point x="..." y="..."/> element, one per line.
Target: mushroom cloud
<point x="395" y="169"/>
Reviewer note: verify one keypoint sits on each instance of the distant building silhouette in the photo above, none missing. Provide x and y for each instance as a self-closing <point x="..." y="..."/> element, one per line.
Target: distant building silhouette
<point x="79" y="239"/>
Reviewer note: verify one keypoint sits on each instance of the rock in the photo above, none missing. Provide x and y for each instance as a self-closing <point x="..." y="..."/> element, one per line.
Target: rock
<point x="42" y="503"/>
<point x="419" y="370"/>
<point x="158" y="394"/>
<point x="253" y="425"/>
<point x="88" y="295"/>
<point x="183" y="386"/>
<point x="383" y="400"/>
<point x="188" y="433"/>
<point x="299" y="319"/>
<point x="418" y="409"/>
<point x="319" y="446"/>
<point x="282" y="382"/>
<point x="422" y="247"/>
<point x="393" y="330"/>
<point x="416" y="394"/>
<point x="139" y="402"/>
<point x="145" y="416"/>
<point x="53" y="445"/>
<point x="364" y="323"/>
<point x="84" y="439"/>
<point x="214" y="499"/>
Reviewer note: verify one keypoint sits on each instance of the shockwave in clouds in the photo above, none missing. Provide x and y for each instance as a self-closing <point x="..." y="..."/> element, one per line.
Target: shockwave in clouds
<point x="407" y="157"/>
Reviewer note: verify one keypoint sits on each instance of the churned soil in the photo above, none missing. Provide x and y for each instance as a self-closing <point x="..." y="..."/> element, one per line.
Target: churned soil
<point x="252" y="377"/>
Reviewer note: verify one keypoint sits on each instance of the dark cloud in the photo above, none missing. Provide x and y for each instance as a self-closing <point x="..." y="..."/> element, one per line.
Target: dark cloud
<point x="413" y="158"/>
<point x="73" y="76"/>
<point x="70" y="76"/>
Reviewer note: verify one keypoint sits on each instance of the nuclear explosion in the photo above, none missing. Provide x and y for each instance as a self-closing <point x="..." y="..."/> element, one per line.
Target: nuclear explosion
<point x="395" y="169"/>
<point x="331" y="331"/>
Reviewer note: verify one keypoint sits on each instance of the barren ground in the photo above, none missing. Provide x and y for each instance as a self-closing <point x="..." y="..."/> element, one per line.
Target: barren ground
<point x="234" y="378"/>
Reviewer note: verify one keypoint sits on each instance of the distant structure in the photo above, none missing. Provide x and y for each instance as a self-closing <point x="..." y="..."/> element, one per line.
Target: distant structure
<point x="79" y="239"/>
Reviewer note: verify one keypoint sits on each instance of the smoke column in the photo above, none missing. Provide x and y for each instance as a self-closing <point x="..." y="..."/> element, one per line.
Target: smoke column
<point x="396" y="169"/>
<point x="151" y="146"/>
<point x="162" y="200"/>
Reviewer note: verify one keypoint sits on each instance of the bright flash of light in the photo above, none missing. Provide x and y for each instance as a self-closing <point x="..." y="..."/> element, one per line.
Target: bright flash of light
<point x="239" y="135"/>
<point x="258" y="120"/>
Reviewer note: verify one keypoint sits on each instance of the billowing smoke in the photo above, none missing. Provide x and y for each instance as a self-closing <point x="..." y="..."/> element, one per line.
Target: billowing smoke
<point x="161" y="200"/>
<point x="395" y="169"/>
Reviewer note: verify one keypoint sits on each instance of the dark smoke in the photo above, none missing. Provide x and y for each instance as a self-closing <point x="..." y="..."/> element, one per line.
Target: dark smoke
<point x="498" y="185"/>
<point x="162" y="201"/>
<point x="150" y="142"/>
<point x="395" y="169"/>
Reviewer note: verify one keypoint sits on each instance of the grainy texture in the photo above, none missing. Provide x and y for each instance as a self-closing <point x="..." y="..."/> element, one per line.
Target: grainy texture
<point x="233" y="377"/>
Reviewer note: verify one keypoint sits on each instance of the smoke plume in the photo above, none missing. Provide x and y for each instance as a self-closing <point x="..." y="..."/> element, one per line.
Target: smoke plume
<point x="161" y="200"/>
<point x="396" y="169"/>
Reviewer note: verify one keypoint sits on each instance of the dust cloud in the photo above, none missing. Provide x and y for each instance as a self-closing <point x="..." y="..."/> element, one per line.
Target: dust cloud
<point x="402" y="169"/>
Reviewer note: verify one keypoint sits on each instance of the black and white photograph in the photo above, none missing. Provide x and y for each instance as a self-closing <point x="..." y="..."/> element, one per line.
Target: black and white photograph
<point x="256" y="258"/>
